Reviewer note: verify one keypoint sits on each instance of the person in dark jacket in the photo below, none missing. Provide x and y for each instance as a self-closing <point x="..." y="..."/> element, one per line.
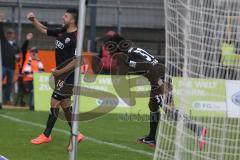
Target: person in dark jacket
<point x="10" y="53"/>
<point x="21" y="89"/>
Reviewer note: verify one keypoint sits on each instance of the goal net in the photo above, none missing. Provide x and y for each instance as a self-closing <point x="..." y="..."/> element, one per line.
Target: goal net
<point x="203" y="59"/>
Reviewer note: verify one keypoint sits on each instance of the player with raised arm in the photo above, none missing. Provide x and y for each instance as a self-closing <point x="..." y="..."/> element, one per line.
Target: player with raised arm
<point x="65" y="47"/>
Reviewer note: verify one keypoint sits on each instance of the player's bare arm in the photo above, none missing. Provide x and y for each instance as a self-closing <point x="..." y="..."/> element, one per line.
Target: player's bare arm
<point x="37" y="24"/>
<point x="70" y="66"/>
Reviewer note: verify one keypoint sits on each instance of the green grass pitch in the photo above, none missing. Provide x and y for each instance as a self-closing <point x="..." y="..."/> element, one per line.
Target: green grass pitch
<point x="109" y="137"/>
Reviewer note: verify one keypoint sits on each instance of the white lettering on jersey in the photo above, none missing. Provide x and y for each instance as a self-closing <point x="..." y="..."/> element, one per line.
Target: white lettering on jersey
<point x="132" y="64"/>
<point x="67" y="40"/>
<point x="146" y="55"/>
<point x="154" y="62"/>
<point x="59" y="44"/>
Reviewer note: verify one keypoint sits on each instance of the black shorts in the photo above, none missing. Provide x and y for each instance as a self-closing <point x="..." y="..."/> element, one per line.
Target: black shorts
<point x="63" y="89"/>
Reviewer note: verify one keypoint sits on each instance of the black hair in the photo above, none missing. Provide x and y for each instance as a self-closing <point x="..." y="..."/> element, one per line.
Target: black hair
<point x="74" y="13"/>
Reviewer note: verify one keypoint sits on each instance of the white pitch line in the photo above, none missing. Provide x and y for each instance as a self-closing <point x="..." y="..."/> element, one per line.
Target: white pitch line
<point x="88" y="138"/>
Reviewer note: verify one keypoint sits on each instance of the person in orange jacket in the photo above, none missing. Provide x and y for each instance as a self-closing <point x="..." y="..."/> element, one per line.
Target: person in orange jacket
<point x="32" y="65"/>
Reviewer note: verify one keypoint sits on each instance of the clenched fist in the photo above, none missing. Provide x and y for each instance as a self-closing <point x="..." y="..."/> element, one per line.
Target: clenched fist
<point x="31" y="16"/>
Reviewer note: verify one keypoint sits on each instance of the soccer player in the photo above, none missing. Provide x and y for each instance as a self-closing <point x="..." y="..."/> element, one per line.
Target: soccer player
<point x="132" y="59"/>
<point x="137" y="60"/>
<point x="65" y="46"/>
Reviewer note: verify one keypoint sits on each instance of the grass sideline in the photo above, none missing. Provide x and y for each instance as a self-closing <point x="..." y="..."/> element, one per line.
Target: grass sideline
<point x="111" y="128"/>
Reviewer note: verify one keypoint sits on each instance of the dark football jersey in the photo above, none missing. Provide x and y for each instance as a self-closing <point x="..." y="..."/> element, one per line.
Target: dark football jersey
<point x="138" y="61"/>
<point x="65" y="45"/>
<point x="65" y="48"/>
<point x="140" y="57"/>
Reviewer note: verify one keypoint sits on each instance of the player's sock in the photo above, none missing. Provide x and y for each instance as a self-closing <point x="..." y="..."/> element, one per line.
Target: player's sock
<point x="192" y="126"/>
<point x="172" y="114"/>
<point x="68" y="115"/>
<point x="154" y="119"/>
<point x="52" y="117"/>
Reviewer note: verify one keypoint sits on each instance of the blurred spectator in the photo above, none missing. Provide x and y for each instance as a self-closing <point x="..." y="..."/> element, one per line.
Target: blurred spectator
<point x="10" y="53"/>
<point x="108" y="64"/>
<point x="32" y="64"/>
<point x="21" y="89"/>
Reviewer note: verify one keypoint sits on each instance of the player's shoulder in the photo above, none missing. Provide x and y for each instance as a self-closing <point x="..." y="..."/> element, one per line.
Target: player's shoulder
<point x="72" y="35"/>
<point x="139" y="53"/>
<point x="137" y="50"/>
<point x="55" y="32"/>
<point x="70" y="38"/>
<point x="133" y="49"/>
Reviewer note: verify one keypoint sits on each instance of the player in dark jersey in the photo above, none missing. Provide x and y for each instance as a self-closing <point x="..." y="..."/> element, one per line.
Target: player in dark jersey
<point x="65" y="47"/>
<point x="136" y="60"/>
